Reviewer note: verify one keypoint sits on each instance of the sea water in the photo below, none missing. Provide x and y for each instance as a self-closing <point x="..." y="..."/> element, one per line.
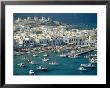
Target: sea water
<point x="66" y="66"/>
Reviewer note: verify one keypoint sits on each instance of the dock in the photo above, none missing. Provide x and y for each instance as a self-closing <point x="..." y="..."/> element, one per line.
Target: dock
<point x="82" y="52"/>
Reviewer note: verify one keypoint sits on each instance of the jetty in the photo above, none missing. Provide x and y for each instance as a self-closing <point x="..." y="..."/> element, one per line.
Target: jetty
<point x="85" y="51"/>
<point x="81" y="51"/>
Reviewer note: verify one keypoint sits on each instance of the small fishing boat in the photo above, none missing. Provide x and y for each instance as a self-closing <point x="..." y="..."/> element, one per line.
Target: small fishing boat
<point x="45" y="59"/>
<point x="93" y="55"/>
<point x="21" y="65"/>
<point x="32" y="62"/>
<point x="81" y="68"/>
<point x="45" y="55"/>
<point x="53" y="63"/>
<point x="31" y="72"/>
<point x="93" y="60"/>
<point x="28" y="60"/>
<point x="89" y="65"/>
<point x="42" y="68"/>
<point x="63" y="55"/>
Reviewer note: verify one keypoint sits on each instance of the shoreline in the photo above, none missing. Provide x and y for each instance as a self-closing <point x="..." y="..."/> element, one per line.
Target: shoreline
<point x="57" y="49"/>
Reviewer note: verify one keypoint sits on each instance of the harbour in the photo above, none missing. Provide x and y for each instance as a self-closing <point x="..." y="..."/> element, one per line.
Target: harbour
<point x="54" y="44"/>
<point x="64" y="66"/>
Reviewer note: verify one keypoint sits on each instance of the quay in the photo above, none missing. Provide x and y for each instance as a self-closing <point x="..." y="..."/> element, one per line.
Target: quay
<point x="80" y="53"/>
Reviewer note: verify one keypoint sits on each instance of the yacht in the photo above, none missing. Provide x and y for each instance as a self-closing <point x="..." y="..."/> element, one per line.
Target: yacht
<point x="31" y="72"/>
<point x="21" y="64"/>
<point x="93" y="60"/>
<point x="81" y="68"/>
<point x="63" y="55"/>
<point x="32" y="62"/>
<point x="28" y="60"/>
<point x="89" y="65"/>
<point x="45" y="59"/>
<point x="53" y="63"/>
<point x="45" y="55"/>
<point x="42" y="68"/>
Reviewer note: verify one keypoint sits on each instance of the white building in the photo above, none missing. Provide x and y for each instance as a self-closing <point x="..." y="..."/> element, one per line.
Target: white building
<point x="29" y="42"/>
<point x="78" y="41"/>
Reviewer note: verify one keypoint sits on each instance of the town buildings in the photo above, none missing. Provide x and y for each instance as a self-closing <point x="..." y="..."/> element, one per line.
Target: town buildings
<point x="41" y="31"/>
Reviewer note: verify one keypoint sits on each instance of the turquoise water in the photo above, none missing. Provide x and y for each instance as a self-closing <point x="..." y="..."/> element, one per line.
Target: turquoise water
<point x="67" y="66"/>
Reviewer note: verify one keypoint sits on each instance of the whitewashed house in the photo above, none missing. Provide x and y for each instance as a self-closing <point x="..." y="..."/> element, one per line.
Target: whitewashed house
<point x="57" y="41"/>
<point x="77" y="41"/>
<point x="29" y="42"/>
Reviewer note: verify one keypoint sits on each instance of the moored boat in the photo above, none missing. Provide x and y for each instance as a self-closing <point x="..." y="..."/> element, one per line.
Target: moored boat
<point x="89" y="65"/>
<point x="32" y="62"/>
<point x="45" y="59"/>
<point x="93" y="60"/>
<point x="42" y="68"/>
<point x="81" y="68"/>
<point x="63" y="55"/>
<point x="53" y="63"/>
<point x="21" y="65"/>
<point x="31" y="72"/>
<point x="45" y="55"/>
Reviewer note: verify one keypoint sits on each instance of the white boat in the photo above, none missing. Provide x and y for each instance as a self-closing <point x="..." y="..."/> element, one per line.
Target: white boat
<point x="28" y="60"/>
<point x="81" y="68"/>
<point x="93" y="60"/>
<point x="45" y="59"/>
<point x="32" y="62"/>
<point x="63" y="55"/>
<point x="53" y="63"/>
<point x="89" y="65"/>
<point x="73" y="56"/>
<point x="34" y="55"/>
<point x="21" y="64"/>
<point x="31" y="72"/>
<point x="42" y="68"/>
<point x="45" y="55"/>
<point x="93" y="55"/>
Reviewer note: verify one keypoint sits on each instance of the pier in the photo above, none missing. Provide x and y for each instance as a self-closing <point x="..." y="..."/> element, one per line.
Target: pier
<point x="80" y="53"/>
